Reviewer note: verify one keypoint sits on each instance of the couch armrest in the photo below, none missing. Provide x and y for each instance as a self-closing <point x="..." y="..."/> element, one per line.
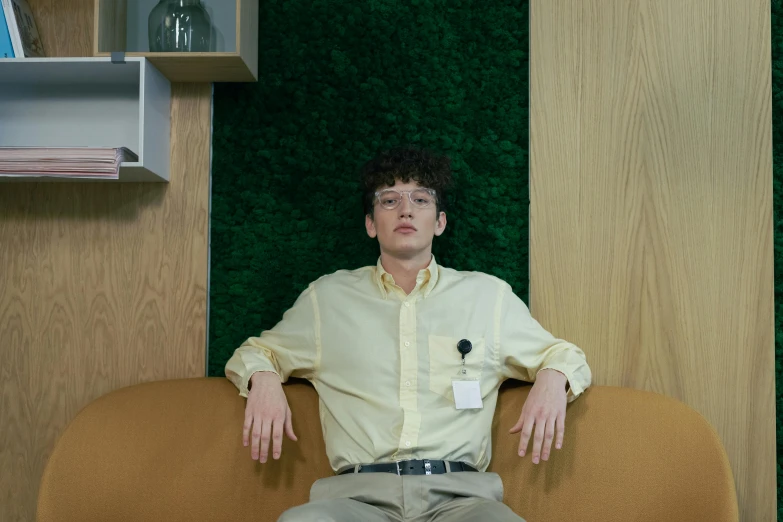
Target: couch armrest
<point x="627" y="455"/>
<point x="172" y="450"/>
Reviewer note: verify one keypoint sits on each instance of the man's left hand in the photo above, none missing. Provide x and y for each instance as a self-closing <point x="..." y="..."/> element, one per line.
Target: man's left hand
<point x="544" y="409"/>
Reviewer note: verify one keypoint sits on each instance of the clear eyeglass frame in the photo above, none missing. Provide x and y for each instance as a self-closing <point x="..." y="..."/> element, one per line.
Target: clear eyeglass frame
<point x="418" y="202"/>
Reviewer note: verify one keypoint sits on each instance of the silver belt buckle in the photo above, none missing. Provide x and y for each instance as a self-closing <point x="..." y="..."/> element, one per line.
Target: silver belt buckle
<point x="427" y="467"/>
<point x="398" y="467"/>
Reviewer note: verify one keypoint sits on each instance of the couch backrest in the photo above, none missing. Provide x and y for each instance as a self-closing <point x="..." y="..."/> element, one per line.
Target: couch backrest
<point x="172" y="450"/>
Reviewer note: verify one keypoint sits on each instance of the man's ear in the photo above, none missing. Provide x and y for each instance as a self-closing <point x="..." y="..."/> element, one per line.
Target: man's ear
<point x="440" y="224"/>
<point x="369" y="224"/>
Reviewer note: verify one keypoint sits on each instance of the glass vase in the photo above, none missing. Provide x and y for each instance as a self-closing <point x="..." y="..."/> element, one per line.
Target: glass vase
<point x="179" y="26"/>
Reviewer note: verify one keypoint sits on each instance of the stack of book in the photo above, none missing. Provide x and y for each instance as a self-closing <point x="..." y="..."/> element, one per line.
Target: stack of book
<point x="64" y="162"/>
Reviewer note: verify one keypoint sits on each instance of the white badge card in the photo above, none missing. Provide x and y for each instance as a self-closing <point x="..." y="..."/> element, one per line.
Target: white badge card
<point x="467" y="394"/>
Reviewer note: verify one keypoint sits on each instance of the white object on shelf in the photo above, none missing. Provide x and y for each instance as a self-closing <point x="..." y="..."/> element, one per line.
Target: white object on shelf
<point x="88" y="102"/>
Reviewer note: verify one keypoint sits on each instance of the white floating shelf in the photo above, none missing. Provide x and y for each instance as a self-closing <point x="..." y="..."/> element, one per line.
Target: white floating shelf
<point x="88" y="102"/>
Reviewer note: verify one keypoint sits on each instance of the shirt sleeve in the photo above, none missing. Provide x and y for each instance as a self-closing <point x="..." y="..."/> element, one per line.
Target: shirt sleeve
<point x="289" y="349"/>
<point x="526" y="348"/>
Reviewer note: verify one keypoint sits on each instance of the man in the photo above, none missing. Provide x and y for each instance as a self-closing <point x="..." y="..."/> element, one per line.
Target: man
<point x="407" y="357"/>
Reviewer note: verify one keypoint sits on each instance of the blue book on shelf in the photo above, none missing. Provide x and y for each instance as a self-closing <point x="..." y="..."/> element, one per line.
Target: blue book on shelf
<point x="6" y="49"/>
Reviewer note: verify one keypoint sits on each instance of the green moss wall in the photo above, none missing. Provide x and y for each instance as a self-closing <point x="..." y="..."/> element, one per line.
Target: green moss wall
<point x="338" y="81"/>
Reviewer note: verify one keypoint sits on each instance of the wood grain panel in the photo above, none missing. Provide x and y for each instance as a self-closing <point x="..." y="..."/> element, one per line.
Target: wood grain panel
<point x="651" y="207"/>
<point x="65" y="26"/>
<point x="201" y="67"/>
<point x="111" y="25"/>
<point x="102" y="285"/>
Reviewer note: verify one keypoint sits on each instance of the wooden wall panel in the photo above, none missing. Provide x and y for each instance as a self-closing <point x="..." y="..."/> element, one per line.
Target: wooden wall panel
<point x="651" y="207"/>
<point x="66" y="26"/>
<point x="101" y="285"/>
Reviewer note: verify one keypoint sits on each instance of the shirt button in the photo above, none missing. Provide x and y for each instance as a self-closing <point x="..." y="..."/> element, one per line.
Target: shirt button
<point x="407" y="343"/>
<point x="407" y="383"/>
<point x="407" y="444"/>
<point x="408" y="305"/>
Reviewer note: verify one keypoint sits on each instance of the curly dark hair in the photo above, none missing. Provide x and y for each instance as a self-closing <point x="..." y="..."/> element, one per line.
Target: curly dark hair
<point x="406" y="163"/>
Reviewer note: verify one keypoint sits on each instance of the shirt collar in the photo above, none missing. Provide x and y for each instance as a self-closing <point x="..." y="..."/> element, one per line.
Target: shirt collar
<point x="427" y="278"/>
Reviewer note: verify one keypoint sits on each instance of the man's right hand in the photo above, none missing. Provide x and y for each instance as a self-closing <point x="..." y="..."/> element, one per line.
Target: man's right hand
<point x="266" y="416"/>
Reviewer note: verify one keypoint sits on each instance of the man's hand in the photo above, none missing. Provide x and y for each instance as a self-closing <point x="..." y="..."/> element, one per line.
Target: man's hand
<point x="266" y="414"/>
<point x="545" y="408"/>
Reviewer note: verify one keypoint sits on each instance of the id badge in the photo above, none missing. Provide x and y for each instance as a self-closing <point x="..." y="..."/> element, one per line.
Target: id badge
<point x="467" y="393"/>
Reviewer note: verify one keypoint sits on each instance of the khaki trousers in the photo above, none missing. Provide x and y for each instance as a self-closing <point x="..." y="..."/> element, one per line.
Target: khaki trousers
<point x="383" y="497"/>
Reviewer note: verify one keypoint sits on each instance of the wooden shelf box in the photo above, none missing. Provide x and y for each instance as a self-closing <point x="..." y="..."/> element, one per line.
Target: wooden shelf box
<point x="88" y="102"/>
<point x="121" y="26"/>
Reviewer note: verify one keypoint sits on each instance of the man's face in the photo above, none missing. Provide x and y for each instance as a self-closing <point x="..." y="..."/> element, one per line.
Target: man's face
<point x="406" y="231"/>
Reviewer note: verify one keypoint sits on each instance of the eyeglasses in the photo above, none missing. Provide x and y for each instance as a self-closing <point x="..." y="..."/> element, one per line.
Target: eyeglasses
<point x="419" y="198"/>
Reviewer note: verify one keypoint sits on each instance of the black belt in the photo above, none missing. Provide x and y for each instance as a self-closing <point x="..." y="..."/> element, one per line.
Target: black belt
<point x="411" y="467"/>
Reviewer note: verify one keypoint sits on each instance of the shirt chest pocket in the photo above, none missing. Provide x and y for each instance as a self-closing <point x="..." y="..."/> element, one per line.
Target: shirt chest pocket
<point x="446" y="363"/>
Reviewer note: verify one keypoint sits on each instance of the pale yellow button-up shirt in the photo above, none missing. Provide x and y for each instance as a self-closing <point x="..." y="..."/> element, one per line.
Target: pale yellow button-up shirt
<point x="382" y="361"/>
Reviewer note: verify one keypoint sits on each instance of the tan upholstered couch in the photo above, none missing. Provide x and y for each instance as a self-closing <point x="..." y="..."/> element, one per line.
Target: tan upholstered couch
<point x="172" y="451"/>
